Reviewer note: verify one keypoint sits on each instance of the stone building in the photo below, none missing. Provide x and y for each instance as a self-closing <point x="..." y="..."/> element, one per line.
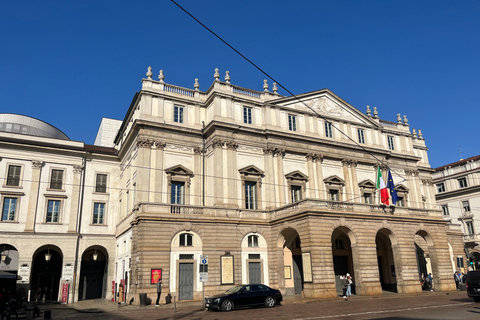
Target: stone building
<point x="458" y="196"/>
<point x="272" y="189"/>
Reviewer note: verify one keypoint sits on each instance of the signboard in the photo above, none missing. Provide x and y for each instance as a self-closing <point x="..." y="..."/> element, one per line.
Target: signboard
<point x="24" y="272"/>
<point x="155" y="275"/>
<point x="203" y="259"/>
<point x="307" y="267"/>
<point x="227" y="269"/>
<point x="65" y="293"/>
<point x="203" y="276"/>
<point x="67" y="273"/>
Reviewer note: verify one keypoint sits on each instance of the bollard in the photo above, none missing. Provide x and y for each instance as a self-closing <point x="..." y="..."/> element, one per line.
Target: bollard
<point x="47" y="314"/>
<point x="175" y="303"/>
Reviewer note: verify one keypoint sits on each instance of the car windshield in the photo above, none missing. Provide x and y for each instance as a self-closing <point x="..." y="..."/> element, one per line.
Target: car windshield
<point x="234" y="289"/>
<point x="473" y="276"/>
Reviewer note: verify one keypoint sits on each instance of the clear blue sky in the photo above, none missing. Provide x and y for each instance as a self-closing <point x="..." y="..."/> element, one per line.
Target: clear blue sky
<point x="70" y="63"/>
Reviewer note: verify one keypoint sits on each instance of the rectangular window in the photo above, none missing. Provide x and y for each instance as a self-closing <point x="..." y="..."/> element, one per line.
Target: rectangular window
<point x="361" y="136"/>
<point x="253" y="241"/>
<point x="9" y="209"/>
<point x="460" y="262"/>
<point x="13" y="177"/>
<point x="247" y="115"/>
<point x="296" y="193"/>
<point x="101" y="183"/>
<point x="334" y="195"/>
<point x="367" y="198"/>
<point x="53" y="211"/>
<point x="177" y="190"/>
<point x="178" y="114"/>
<point x="391" y="145"/>
<point x="98" y="213"/>
<point x="401" y="202"/>
<point x="462" y="182"/>
<point x="466" y="206"/>
<point x="56" y="179"/>
<point x="470" y="229"/>
<point x="440" y="187"/>
<point x="186" y="240"/>
<point x="251" y="195"/>
<point x="445" y="210"/>
<point x="328" y="130"/>
<point x="292" y="122"/>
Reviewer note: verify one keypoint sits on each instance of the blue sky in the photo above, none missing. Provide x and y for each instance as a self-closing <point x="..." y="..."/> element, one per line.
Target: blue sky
<point x="70" y="63"/>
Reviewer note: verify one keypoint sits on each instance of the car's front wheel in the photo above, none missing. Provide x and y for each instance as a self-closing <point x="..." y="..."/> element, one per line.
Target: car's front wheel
<point x="270" y="302"/>
<point x="227" y="305"/>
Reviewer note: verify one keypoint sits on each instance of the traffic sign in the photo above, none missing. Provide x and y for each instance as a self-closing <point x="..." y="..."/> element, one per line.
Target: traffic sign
<point x="203" y="276"/>
<point x="203" y="259"/>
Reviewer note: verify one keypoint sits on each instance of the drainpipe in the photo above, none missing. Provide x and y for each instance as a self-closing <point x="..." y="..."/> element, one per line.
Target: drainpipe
<point x="79" y="224"/>
<point x="203" y="163"/>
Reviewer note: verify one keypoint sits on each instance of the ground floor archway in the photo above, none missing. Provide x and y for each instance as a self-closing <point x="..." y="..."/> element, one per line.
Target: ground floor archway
<point x="386" y="262"/>
<point x="291" y="247"/>
<point x="46" y="273"/>
<point x="92" y="284"/>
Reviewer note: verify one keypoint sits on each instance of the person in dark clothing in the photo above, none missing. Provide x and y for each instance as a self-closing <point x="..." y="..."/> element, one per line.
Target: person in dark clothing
<point x="159" y="292"/>
<point x="344" y="284"/>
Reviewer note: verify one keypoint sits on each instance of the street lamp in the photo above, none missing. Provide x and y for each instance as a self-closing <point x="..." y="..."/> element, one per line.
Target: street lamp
<point x="4" y="254"/>
<point x="48" y="255"/>
<point x="95" y="255"/>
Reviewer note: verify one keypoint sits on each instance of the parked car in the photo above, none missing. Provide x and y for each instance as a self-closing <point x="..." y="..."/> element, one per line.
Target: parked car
<point x="243" y="296"/>
<point x="473" y="285"/>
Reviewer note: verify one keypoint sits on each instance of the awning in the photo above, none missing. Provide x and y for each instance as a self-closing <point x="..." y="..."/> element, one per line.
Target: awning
<point x="8" y="275"/>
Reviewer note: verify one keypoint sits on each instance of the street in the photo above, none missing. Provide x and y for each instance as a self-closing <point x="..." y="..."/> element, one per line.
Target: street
<point x="426" y="305"/>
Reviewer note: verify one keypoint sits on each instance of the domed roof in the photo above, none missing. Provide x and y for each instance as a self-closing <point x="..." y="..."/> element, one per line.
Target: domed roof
<point x="16" y="123"/>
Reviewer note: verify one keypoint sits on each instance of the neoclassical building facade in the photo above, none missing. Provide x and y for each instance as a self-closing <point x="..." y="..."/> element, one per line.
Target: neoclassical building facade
<point x="258" y="186"/>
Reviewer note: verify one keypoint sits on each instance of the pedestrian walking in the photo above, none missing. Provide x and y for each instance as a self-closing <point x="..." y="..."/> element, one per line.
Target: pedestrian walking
<point x="344" y="284"/>
<point x="159" y="292"/>
<point x="430" y="281"/>
<point x="121" y="294"/>
<point x="457" y="277"/>
<point x="349" y="289"/>
<point x="422" y="281"/>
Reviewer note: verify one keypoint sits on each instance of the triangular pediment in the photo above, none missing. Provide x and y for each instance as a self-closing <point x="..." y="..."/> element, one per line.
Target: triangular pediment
<point x="296" y="175"/>
<point x="326" y="104"/>
<point x="401" y="188"/>
<point x="334" y="180"/>
<point x="367" y="184"/>
<point x="251" y="170"/>
<point x="179" y="170"/>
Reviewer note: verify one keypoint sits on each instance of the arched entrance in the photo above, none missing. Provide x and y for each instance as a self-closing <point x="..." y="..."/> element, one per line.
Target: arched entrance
<point x="9" y="263"/>
<point x="422" y="244"/>
<point x="46" y="273"/>
<point x="290" y="244"/>
<point x="92" y="284"/>
<point x="342" y="256"/>
<point x="385" y="259"/>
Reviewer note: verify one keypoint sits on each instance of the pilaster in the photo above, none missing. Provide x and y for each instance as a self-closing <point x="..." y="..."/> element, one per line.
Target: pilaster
<point x="279" y="154"/>
<point x="34" y="192"/>
<point x="157" y="175"/>
<point x="72" y="219"/>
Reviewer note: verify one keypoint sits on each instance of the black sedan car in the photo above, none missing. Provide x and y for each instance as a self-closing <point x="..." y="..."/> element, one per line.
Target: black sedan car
<point x="473" y="285"/>
<point x="244" y="296"/>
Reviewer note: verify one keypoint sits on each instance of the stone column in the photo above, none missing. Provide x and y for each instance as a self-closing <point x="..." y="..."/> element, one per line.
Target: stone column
<point x="143" y="170"/>
<point x="197" y="194"/>
<point x="318" y="159"/>
<point x="269" y="180"/>
<point x="280" y="153"/>
<point x="232" y="174"/>
<point x="346" y="175"/>
<point x="72" y="218"/>
<point x="218" y="187"/>
<point x="367" y="278"/>
<point x="34" y="192"/>
<point x="311" y="176"/>
<point x="157" y="172"/>
<point x="355" y="188"/>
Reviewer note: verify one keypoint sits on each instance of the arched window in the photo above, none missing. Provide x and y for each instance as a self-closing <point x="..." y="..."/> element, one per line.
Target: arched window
<point x="186" y="240"/>
<point x="253" y="241"/>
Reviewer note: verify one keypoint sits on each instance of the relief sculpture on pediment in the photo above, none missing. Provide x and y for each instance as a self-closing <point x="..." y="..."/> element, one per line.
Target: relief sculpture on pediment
<point x="326" y="107"/>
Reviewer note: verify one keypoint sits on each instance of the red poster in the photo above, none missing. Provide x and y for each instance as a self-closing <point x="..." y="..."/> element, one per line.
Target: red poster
<point x="155" y="276"/>
<point x="113" y="290"/>
<point x="65" y="293"/>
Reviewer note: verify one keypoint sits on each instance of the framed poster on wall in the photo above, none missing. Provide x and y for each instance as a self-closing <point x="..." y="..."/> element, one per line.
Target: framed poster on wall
<point x="226" y="263"/>
<point x="288" y="272"/>
<point x="307" y="267"/>
<point x="155" y="275"/>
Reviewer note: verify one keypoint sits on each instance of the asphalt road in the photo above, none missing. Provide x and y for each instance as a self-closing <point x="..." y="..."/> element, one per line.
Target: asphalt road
<point x="428" y="305"/>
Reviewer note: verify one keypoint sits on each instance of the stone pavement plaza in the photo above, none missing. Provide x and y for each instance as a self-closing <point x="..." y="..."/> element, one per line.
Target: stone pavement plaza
<point x="357" y="307"/>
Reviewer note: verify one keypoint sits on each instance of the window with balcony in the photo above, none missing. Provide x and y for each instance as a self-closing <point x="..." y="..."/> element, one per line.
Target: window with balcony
<point x="470" y="230"/>
<point x="253" y="241"/>
<point x="101" y="183"/>
<point x="334" y="186"/>
<point x="9" y="209"/>
<point x="247" y="115"/>
<point x="445" y="210"/>
<point x="13" y="175"/>
<point x="250" y="195"/>
<point x="177" y="192"/>
<point x="56" y="179"/>
<point x="186" y="240"/>
<point x="292" y="122"/>
<point x="440" y="187"/>
<point x="462" y="182"/>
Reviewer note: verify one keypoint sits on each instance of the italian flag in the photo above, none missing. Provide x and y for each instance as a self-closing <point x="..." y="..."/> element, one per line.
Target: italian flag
<point x="383" y="188"/>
